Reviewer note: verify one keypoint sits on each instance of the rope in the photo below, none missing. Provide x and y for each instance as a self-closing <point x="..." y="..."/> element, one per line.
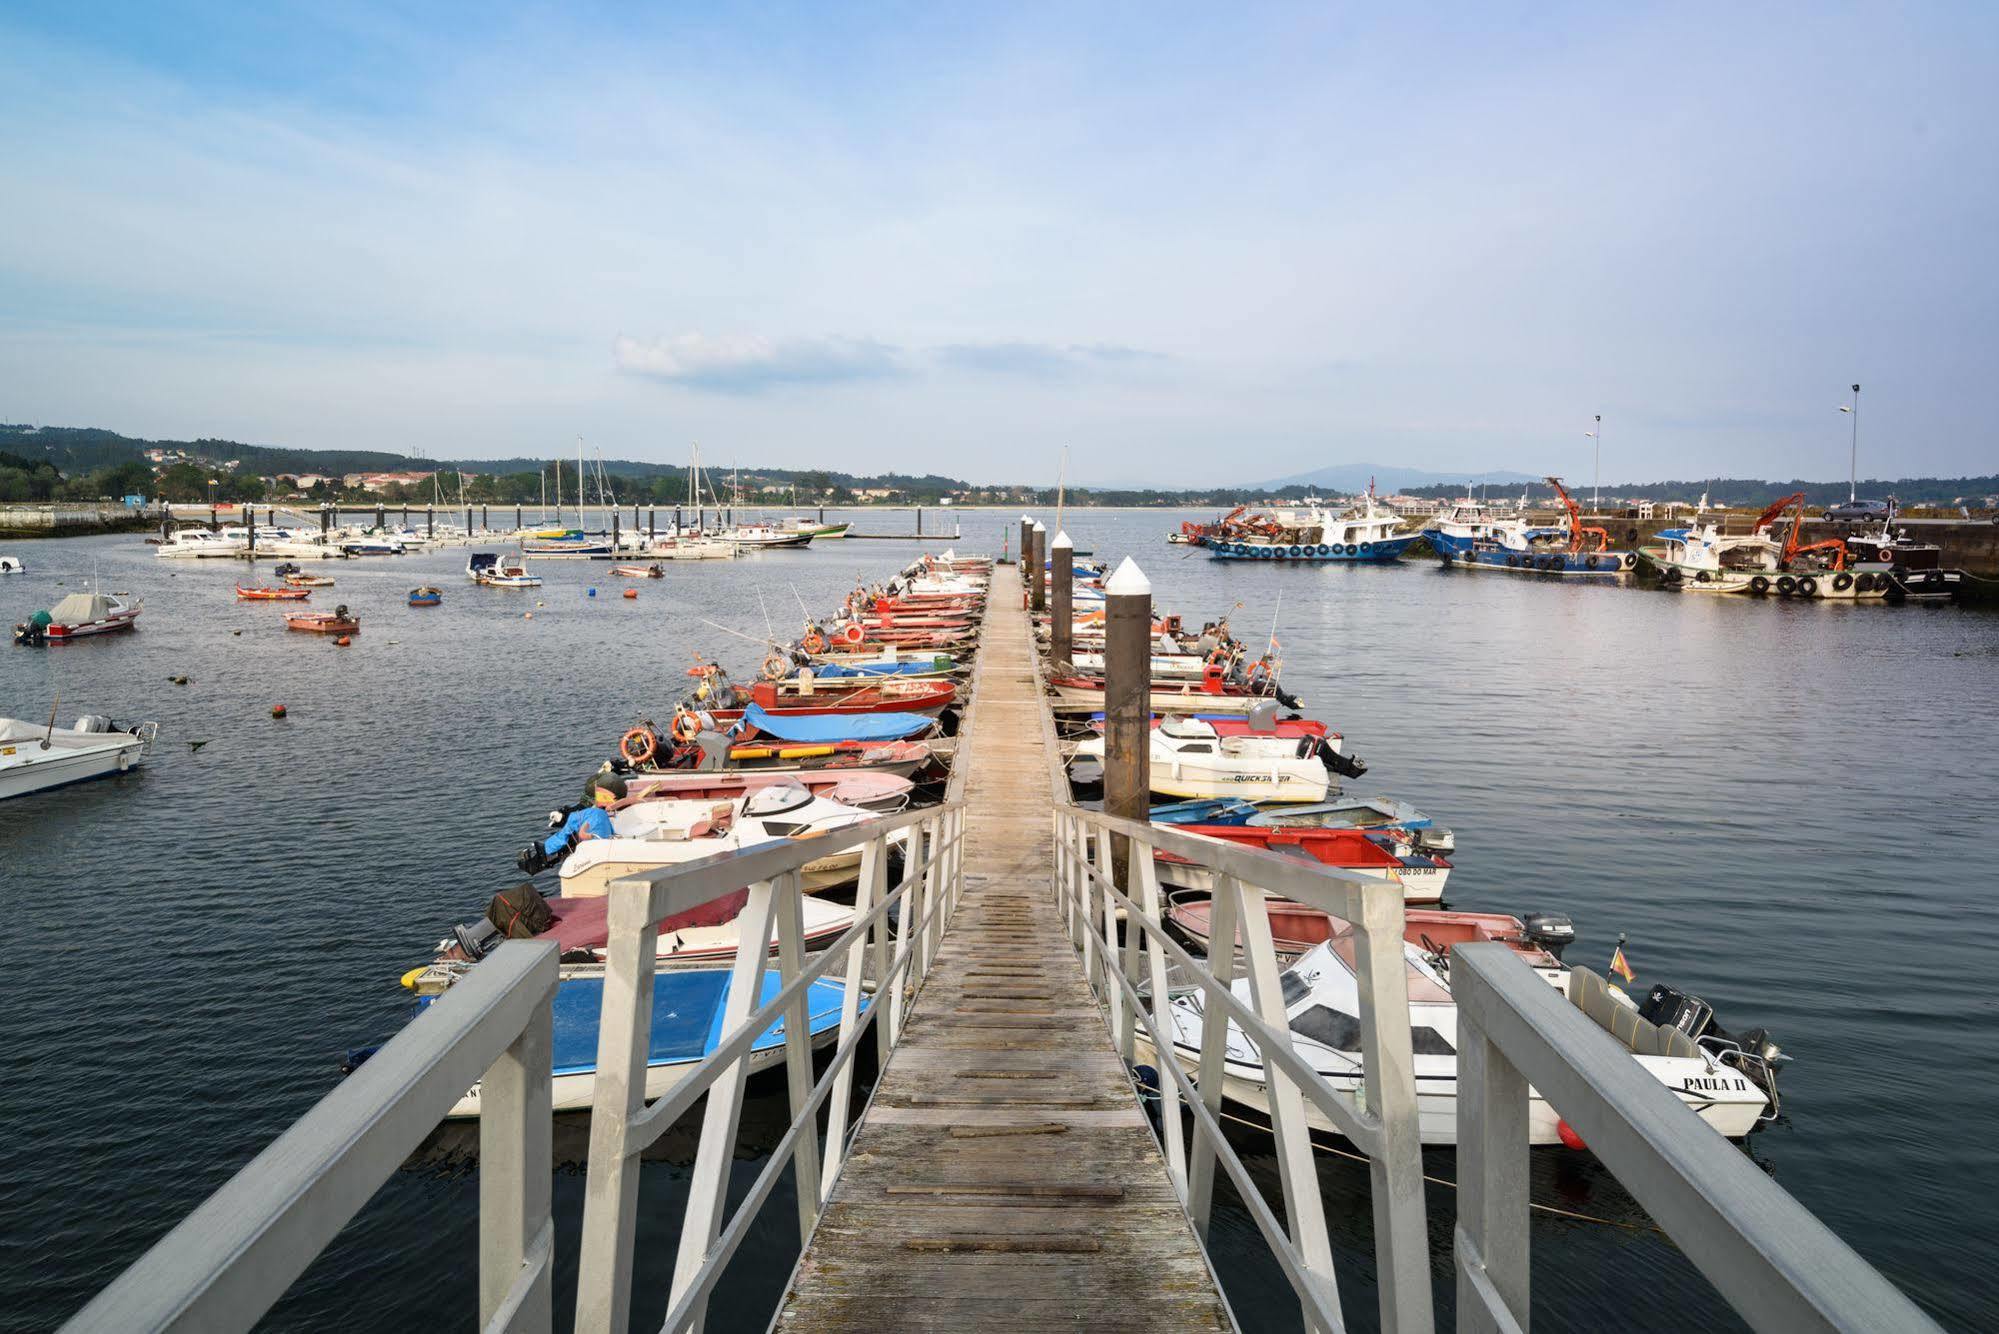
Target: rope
<point x="1435" y="1181"/>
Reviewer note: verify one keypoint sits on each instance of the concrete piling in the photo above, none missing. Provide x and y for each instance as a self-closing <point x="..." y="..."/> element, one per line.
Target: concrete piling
<point x="1061" y="598"/>
<point x="1127" y="700"/>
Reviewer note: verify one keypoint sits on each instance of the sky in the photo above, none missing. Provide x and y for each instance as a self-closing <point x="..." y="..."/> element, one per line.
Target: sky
<point x="1191" y="244"/>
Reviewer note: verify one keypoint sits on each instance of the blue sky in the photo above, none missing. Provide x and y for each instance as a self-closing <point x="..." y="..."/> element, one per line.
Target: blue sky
<point x="1191" y="243"/>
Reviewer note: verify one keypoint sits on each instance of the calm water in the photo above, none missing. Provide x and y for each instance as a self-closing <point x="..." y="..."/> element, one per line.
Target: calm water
<point x="1786" y="807"/>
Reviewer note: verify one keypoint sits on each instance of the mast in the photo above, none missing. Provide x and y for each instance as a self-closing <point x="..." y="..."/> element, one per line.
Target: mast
<point x="558" y="493"/>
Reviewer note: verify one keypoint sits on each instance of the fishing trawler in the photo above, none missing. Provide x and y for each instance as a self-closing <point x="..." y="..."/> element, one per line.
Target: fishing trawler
<point x="1367" y="532"/>
<point x="1704" y="559"/>
<point x="1517" y="546"/>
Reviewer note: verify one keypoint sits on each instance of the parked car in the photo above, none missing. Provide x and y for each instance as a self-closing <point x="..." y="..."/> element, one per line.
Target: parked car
<point x="1860" y="511"/>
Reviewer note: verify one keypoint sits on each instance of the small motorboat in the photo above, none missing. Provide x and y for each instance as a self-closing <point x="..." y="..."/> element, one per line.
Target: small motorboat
<point x="1217" y="691"/>
<point x="1389" y="855"/>
<point x="654" y="833"/>
<point x="304" y="579"/>
<point x="78" y="616"/>
<point x="426" y="596"/>
<point x="490" y="569"/>
<point x="872" y="790"/>
<point x="1295" y="928"/>
<point x="1726" y="1080"/>
<point x="654" y="571"/>
<point x="812" y="697"/>
<point x="267" y="594"/>
<point x="1371" y="813"/>
<point x="1189" y="759"/>
<point x="687" y="1010"/>
<point x="339" y="621"/>
<point x="10" y="565"/>
<point x="35" y="756"/>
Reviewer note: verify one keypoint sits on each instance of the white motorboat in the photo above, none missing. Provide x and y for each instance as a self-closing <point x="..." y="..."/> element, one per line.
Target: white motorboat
<point x="198" y="544"/>
<point x="1727" y="1081"/>
<point x="34" y="756"/>
<point x="652" y="834"/>
<point x="497" y="571"/>
<point x="10" y="565"/>
<point x="79" y="616"/>
<point x="761" y="536"/>
<point x="1190" y="760"/>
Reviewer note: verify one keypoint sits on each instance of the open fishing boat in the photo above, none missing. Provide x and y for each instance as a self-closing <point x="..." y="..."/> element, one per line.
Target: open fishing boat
<point x="687" y="1010"/>
<point x="639" y="571"/>
<point x="78" y="616"/>
<point x="494" y="571"/>
<point x="1389" y="855"/>
<point x="1214" y="692"/>
<point x="1190" y="760"/>
<point x="1728" y="1082"/>
<point x="266" y="594"/>
<point x="811" y="696"/>
<point x="35" y="756"/>
<point x="868" y="789"/>
<point x="339" y="621"/>
<point x="1296" y="928"/>
<point x="302" y="579"/>
<point x="426" y="596"/>
<point x="1374" y="813"/>
<point x="834" y="667"/>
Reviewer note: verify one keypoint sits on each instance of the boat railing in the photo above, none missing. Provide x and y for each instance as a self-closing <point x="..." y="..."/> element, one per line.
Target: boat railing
<point x="1105" y="877"/>
<point x="1764" y="1252"/>
<point x="623" y="1123"/>
<point x="227" y="1262"/>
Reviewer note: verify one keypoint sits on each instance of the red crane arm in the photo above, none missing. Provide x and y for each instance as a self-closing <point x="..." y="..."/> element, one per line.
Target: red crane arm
<point x="1575" y="515"/>
<point x="1769" y="516"/>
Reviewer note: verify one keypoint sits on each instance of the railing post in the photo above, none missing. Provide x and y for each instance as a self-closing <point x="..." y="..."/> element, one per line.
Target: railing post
<point x="908" y="914"/>
<point x="937" y="898"/>
<point x="516" y="1137"/>
<point x="798" y="1050"/>
<point x="1395" y="1170"/>
<point x="624" y="1040"/>
<point x="867" y="893"/>
<point x="1146" y="873"/>
<point x="1490" y="1241"/>
<point x="1113" y="995"/>
<point x="1291" y="1135"/>
<point x="708" y="1192"/>
<point x="1222" y="931"/>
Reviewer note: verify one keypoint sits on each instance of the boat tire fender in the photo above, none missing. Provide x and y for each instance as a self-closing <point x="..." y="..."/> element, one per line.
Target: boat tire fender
<point x="1786" y="585"/>
<point x="1366" y="549"/>
<point x="1808" y="587"/>
<point x="1701" y="576"/>
<point x="1513" y="560"/>
<point x="1862" y="583"/>
<point x="1590" y="561"/>
<point x="1319" y="550"/>
<point x="1841" y="582"/>
<point x="1630" y="559"/>
<point x="1296" y="552"/>
<point x="1759" y="585"/>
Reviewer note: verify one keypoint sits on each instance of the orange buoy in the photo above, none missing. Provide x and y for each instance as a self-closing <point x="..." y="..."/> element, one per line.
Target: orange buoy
<point x="277" y="711"/>
<point x="342" y="642"/>
<point x="1569" y="1136"/>
<point x="631" y="592"/>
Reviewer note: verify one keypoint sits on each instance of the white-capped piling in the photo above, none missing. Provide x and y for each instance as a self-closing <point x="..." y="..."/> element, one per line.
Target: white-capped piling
<point x="1061" y="598"/>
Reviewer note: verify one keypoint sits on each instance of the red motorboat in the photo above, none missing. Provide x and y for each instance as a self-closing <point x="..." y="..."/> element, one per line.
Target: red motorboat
<point x="1390" y="854"/>
<point x="267" y="594"/>
<point x="1296" y="928"/>
<point x="866" y="788"/>
<point x="77" y="616"/>
<point x="336" y="622"/>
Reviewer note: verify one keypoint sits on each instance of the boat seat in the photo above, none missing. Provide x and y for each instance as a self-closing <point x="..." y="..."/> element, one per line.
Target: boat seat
<point x="1591" y="994"/>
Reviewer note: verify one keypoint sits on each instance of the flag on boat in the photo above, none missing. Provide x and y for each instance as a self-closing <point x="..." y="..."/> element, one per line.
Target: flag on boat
<point x="1619" y="966"/>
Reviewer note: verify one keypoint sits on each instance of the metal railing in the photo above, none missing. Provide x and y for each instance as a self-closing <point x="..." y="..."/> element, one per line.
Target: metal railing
<point x="1768" y="1256"/>
<point x="623" y="1124"/>
<point x="1130" y="979"/>
<point x="225" y="1264"/>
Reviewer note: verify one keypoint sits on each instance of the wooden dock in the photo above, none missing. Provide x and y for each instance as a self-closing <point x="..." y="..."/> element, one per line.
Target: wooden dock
<point x="1004" y="1175"/>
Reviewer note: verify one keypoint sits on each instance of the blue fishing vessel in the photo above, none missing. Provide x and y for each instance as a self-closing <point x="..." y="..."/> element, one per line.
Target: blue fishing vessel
<point x="1368" y="533"/>
<point x="1472" y="537"/>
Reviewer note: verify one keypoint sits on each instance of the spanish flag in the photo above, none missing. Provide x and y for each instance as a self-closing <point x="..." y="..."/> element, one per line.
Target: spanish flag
<point x="1619" y="966"/>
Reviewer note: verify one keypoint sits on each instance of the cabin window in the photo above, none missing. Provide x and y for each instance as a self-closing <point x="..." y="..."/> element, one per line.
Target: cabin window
<point x="1329" y="1028"/>
<point x="1295" y="988"/>
<point x="1198" y="748"/>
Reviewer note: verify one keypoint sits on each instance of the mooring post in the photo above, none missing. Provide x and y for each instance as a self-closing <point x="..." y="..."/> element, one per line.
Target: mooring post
<point x="919" y="520"/>
<point x="652" y="523"/>
<point x="406" y="516"/>
<point x="1127" y="703"/>
<point x="519" y="522"/>
<point x="381" y="517"/>
<point x="325" y="520"/>
<point x="1026" y="525"/>
<point x="469" y="529"/>
<point x="1061" y="593"/>
<point x="250" y="526"/>
<point x="1038" y="589"/>
<point x="430" y="523"/>
<point x="616" y="515"/>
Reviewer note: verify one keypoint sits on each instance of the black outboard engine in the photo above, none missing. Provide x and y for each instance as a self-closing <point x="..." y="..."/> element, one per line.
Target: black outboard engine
<point x="1552" y="931"/>
<point x="1347" y="766"/>
<point x="1670" y="1008"/>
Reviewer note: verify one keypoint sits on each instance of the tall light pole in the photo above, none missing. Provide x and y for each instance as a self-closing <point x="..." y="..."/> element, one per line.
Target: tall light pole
<point x="1853" y="459"/>
<point x="1596" y="478"/>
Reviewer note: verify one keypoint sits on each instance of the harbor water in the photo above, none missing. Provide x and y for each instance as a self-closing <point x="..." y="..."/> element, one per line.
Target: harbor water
<point x="1786" y="807"/>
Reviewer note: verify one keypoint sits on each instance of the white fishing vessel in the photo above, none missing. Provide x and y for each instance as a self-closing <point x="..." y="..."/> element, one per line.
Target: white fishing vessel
<point x="36" y="756"/>
<point x="499" y="571"/>
<point x="1704" y="559"/>
<point x="1190" y="760"/>
<point x="1722" y="1079"/>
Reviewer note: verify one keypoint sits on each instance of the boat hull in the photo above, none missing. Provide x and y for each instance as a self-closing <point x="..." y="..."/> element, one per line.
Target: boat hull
<point x="25" y="769"/>
<point x="1819" y="585"/>
<point x="1573" y="564"/>
<point x="1357" y="553"/>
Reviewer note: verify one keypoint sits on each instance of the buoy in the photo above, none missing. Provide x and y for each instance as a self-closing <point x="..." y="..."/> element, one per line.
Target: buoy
<point x="277" y="711"/>
<point x="235" y="632"/>
<point x="409" y="979"/>
<point x="593" y="592"/>
<point x="342" y="642"/>
<point x="631" y="592"/>
<point x="1569" y="1136"/>
<point x="527" y="615"/>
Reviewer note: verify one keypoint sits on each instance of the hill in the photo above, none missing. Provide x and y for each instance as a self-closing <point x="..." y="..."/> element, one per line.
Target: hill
<point x="1352" y="478"/>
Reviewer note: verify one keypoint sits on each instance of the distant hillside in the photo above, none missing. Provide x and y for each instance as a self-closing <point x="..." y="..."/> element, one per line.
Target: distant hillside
<point x="1352" y="478"/>
<point x="1750" y="491"/>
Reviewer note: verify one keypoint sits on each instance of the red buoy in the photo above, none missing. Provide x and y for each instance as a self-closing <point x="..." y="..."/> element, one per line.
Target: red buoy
<point x="342" y="642"/>
<point x="277" y="711"/>
<point x="631" y="592"/>
<point x="1569" y="1136"/>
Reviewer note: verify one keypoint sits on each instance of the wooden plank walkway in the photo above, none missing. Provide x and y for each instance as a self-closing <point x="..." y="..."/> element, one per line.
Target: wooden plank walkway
<point x="1004" y="1175"/>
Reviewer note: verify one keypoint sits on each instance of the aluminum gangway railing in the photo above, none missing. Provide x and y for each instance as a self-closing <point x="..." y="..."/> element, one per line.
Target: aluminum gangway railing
<point x="1779" y="1267"/>
<point x="225" y="1264"/>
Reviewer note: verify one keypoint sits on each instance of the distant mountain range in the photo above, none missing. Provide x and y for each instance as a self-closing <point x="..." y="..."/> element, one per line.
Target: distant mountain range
<point x="1350" y="478"/>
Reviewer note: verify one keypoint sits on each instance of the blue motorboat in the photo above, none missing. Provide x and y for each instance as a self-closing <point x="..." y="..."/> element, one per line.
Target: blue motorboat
<point x="687" y="1009"/>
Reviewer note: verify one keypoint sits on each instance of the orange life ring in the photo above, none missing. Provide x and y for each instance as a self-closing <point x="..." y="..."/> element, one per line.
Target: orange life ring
<point x="853" y="633"/>
<point x="775" y="667"/>
<point x="814" y="642"/>
<point x="685" y="727"/>
<point x="639" y="745"/>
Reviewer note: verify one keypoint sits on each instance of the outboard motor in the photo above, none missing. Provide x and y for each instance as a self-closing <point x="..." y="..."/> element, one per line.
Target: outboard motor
<point x="1347" y="766"/>
<point x="1263" y="716"/>
<point x="1670" y="1008"/>
<point x="1552" y="931"/>
<point x="93" y="722"/>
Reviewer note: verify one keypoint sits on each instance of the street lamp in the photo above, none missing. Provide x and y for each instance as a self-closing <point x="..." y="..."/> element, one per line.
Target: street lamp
<point x="1853" y="459"/>
<point x="1596" y="476"/>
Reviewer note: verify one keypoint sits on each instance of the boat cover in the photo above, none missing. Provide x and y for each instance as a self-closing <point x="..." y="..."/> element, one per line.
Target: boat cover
<point x="908" y="667"/>
<point x="838" y="726"/>
<point x="686" y="1016"/>
<point x="80" y="607"/>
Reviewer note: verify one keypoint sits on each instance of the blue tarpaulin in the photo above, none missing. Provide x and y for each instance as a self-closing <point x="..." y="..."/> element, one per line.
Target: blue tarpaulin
<point x="838" y="726"/>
